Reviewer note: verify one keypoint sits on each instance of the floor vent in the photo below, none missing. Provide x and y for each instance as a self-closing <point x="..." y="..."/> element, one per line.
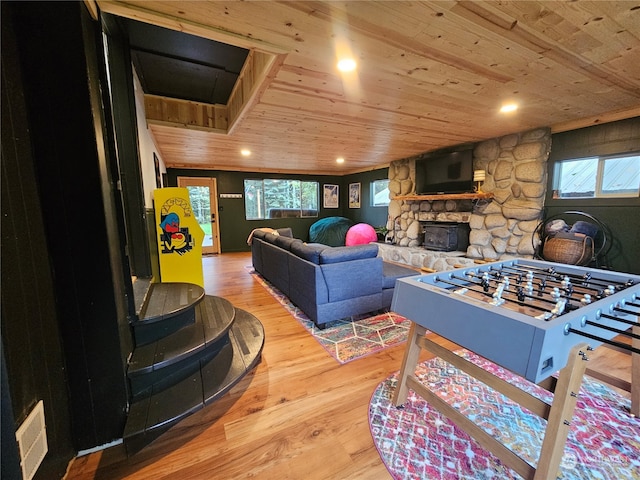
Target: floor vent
<point x="32" y="441"/>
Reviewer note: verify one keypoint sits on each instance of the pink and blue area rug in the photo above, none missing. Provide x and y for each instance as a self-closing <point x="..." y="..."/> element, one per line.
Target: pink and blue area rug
<point x="417" y="442"/>
<point x="349" y="338"/>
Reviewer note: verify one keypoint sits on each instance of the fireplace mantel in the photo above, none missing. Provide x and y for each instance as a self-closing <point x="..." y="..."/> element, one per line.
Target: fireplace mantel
<point x="445" y="196"/>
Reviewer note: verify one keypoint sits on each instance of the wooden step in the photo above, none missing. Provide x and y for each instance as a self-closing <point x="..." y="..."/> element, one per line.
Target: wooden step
<point x="247" y="339"/>
<point x="154" y="413"/>
<point x="141" y="287"/>
<point x="167" y="308"/>
<point x="180" y="351"/>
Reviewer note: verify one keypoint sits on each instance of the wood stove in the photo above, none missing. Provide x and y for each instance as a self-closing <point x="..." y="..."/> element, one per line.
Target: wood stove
<point x="446" y="236"/>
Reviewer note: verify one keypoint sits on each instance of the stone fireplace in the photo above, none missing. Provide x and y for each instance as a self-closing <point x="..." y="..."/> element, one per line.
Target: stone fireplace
<point x="500" y="227"/>
<point x="445" y="236"/>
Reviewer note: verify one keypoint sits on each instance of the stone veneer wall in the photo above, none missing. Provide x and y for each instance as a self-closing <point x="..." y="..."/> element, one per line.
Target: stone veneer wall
<point x="516" y="174"/>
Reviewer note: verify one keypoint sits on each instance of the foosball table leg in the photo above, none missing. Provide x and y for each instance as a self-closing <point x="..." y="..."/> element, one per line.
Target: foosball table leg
<point x="409" y="363"/>
<point x="561" y="413"/>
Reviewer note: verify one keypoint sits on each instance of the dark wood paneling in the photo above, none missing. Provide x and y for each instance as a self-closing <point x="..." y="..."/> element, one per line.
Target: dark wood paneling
<point x="126" y="133"/>
<point x="607" y="139"/>
<point x="112" y="199"/>
<point x="67" y="134"/>
<point x="32" y="345"/>
<point x="10" y="466"/>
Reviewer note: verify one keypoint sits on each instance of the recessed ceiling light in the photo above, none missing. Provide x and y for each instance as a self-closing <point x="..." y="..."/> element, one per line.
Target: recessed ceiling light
<point x="245" y="152"/>
<point x="347" y="65"/>
<point x="339" y="160"/>
<point x="508" y="108"/>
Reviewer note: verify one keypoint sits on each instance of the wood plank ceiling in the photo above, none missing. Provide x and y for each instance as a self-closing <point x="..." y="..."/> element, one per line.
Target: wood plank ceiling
<point x="429" y="75"/>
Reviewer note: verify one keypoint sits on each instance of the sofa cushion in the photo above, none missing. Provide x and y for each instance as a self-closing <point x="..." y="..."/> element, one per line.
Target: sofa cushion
<point x="258" y="233"/>
<point x="285" y="232"/>
<point x="285" y="242"/>
<point x="344" y="254"/>
<point x="275" y="265"/>
<point x="391" y="272"/>
<point x="353" y="279"/>
<point x="271" y="238"/>
<point x="307" y="251"/>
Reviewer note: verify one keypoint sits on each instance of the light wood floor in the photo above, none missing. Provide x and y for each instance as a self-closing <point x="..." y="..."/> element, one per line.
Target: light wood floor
<point x="298" y="415"/>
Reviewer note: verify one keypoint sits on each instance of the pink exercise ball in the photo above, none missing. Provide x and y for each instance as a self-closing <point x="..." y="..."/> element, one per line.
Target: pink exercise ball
<point x="360" y="234"/>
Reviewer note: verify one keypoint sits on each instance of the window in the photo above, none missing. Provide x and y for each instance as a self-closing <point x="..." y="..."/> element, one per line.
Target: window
<point x="275" y="198"/>
<point x="380" y="193"/>
<point x="597" y="177"/>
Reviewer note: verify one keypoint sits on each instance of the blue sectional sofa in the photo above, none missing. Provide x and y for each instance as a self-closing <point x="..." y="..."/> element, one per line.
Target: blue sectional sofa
<point x="327" y="283"/>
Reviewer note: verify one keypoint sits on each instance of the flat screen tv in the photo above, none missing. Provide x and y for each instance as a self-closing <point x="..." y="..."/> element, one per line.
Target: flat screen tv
<point x="450" y="172"/>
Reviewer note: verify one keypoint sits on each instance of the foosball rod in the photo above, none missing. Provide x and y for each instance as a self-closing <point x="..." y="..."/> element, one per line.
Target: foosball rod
<point x="618" y="319"/>
<point x="624" y="310"/>
<point x="534" y="297"/>
<point x="584" y="278"/>
<point x="613" y="329"/>
<point x="555" y="279"/>
<point x="621" y="345"/>
<point x="541" y="288"/>
<point x="488" y="294"/>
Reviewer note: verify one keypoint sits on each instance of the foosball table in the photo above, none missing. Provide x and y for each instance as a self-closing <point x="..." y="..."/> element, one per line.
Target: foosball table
<point x="532" y="317"/>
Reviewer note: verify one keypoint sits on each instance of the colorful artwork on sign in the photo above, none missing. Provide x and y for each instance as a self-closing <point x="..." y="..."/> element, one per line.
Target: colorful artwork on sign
<point x="179" y="237"/>
<point x="173" y="238"/>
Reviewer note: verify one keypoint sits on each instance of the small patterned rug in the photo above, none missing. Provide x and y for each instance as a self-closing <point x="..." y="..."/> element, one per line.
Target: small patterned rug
<point x="417" y="442"/>
<point x="349" y="338"/>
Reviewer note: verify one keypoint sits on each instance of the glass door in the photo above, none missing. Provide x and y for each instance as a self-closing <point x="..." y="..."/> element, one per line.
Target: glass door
<point x="204" y="202"/>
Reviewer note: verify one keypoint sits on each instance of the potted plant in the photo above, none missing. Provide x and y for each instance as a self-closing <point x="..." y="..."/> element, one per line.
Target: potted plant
<point x="381" y="233"/>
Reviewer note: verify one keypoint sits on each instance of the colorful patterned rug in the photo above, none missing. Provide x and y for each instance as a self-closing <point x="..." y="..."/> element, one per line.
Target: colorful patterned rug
<point x="349" y="338"/>
<point x="417" y="442"/>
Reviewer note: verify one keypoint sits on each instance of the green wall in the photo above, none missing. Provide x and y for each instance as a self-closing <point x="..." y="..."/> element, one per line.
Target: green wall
<point x="620" y="215"/>
<point x="374" y="216"/>
<point x="234" y="228"/>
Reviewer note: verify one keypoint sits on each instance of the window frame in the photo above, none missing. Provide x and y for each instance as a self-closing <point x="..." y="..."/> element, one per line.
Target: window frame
<point x="372" y="190"/>
<point x="264" y="210"/>
<point x="598" y="193"/>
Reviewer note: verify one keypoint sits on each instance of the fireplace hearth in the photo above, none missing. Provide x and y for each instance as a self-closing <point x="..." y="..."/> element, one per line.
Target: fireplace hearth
<point x="446" y="236"/>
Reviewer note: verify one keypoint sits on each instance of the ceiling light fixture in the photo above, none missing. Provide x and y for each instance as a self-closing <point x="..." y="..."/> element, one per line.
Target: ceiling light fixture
<point x="339" y="160"/>
<point x="245" y="152"/>
<point x="347" y="65"/>
<point x="508" y="108"/>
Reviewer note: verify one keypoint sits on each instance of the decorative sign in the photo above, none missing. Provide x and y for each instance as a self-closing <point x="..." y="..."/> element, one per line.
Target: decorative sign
<point x="179" y="237"/>
<point x="330" y="196"/>
<point x="354" y="195"/>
